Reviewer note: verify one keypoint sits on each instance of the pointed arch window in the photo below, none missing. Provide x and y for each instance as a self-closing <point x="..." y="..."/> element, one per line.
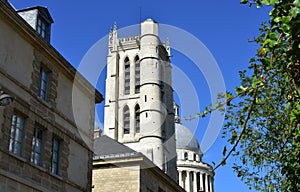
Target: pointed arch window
<point x="126" y="120"/>
<point x="137" y="118"/>
<point x="127" y="76"/>
<point x="137" y="74"/>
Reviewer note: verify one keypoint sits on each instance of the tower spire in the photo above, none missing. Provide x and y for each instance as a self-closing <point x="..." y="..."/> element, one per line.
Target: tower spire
<point x="115" y="37"/>
<point x="115" y="26"/>
<point x="110" y="36"/>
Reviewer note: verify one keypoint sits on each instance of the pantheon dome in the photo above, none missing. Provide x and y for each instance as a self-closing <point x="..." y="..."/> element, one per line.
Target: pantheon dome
<point x="193" y="174"/>
<point x="185" y="138"/>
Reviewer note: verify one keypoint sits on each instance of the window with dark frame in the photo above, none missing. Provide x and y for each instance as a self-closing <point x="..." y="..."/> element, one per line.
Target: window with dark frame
<point x="137" y="74"/>
<point x="16" y="134"/>
<point x="137" y="119"/>
<point x="126" y="120"/>
<point x="43" y="28"/>
<point x="37" y="147"/>
<point x="127" y="76"/>
<point x="43" y="87"/>
<point x="55" y="155"/>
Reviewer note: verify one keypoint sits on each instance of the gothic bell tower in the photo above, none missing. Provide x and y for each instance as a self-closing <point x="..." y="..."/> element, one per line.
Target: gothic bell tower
<point x="139" y="96"/>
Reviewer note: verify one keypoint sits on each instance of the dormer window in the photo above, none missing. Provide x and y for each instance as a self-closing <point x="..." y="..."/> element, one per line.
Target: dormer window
<point x="39" y="19"/>
<point x="42" y="28"/>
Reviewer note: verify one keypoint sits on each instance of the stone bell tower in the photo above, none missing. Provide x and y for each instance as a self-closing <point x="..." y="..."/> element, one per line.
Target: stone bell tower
<point x="139" y="97"/>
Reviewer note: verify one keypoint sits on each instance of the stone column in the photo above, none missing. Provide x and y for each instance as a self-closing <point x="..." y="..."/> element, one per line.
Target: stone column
<point x="195" y="182"/>
<point x="180" y="182"/>
<point x="201" y="181"/>
<point x="188" y="182"/>
<point x="211" y="184"/>
<point x="206" y="182"/>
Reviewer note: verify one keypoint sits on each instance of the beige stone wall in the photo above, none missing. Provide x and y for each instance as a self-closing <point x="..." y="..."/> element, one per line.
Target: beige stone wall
<point x="22" y="54"/>
<point x="16" y="175"/>
<point x="16" y="55"/>
<point x="157" y="182"/>
<point x="116" y="179"/>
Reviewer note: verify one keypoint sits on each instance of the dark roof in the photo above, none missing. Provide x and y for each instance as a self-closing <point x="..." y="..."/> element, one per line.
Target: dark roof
<point x="106" y="146"/>
<point x="42" y="11"/>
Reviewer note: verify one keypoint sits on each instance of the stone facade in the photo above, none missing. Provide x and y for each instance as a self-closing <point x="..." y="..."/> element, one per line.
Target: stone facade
<point x="111" y="179"/>
<point x="36" y="120"/>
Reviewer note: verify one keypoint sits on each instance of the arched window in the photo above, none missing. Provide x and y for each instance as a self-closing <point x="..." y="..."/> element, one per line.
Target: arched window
<point x="126" y="120"/>
<point x="137" y="74"/>
<point x="127" y="76"/>
<point x="186" y="157"/>
<point x="195" y="157"/>
<point x="137" y="118"/>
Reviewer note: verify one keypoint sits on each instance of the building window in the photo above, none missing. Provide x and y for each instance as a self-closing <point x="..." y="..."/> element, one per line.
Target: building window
<point x="55" y="156"/>
<point x="126" y="120"/>
<point x="37" y="142"/>
<point x="195" y="157"/>
<point x="137" y="74"/>
<point x="16" y="135"/>
<point x="127" y="76"/>
<point x="186" y="157"/>
<point x="43" y="28"/>
<point x="44" y="80"/>
<point x="137" y="119"/>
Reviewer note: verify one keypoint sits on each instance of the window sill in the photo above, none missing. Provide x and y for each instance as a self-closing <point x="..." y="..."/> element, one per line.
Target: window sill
<point x="44" y="102"/>
<point x="38" y="167"/>
<point x="18" y="157"/>
<point x="56" y="176"/>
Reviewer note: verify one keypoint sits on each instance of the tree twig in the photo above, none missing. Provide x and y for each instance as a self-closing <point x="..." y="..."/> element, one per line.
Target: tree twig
<point x="243" y="129"/>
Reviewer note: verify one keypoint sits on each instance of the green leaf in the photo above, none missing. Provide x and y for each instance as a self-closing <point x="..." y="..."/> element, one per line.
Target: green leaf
<point x="277" y="19"/>
<point x="295" y="11"/>
<point x="285" y="19"/>
<point x="224" y="151"/>
<point x="269" y="2"/>
<point x="255" y="81"/>
<point x="223" y="162"/>
<point x="234" y="136"/>
<point x="243" y="1"/>
<point x="297" y="3"/>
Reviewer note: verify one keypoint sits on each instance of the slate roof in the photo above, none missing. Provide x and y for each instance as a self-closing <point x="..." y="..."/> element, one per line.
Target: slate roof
<point x="106" y="147"/>
<point x="42" y="10"/>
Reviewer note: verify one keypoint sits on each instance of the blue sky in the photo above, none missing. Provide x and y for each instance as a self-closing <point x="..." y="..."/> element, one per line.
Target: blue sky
<point x="222" y="26"/>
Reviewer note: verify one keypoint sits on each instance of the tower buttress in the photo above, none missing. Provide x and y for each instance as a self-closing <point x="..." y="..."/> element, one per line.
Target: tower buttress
<point x="112" y="87"/>
<point x="152" y="116"/>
